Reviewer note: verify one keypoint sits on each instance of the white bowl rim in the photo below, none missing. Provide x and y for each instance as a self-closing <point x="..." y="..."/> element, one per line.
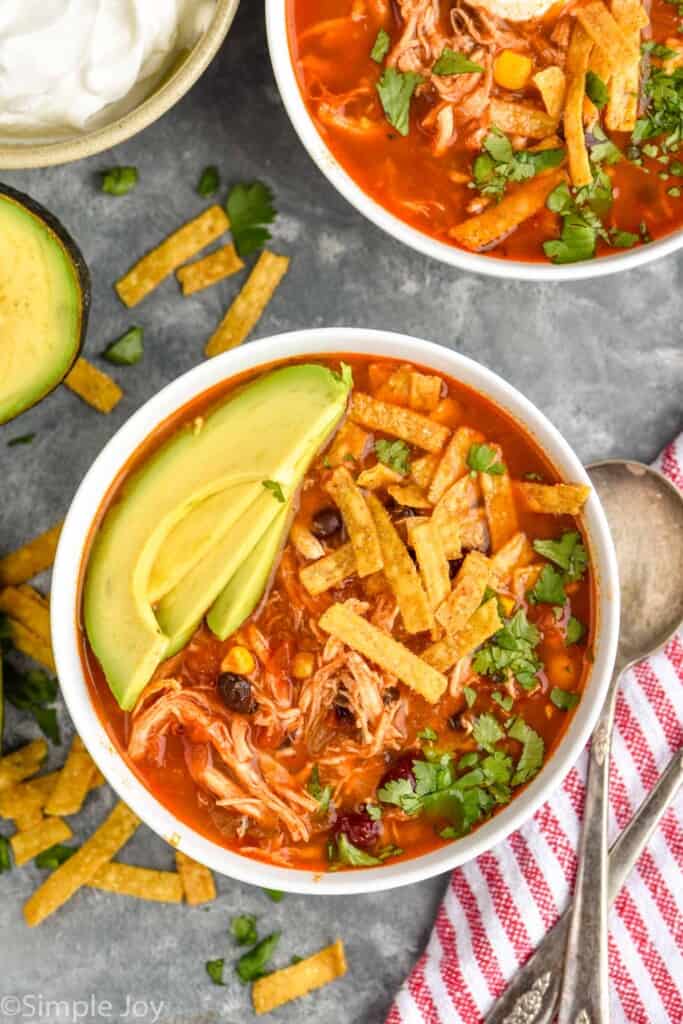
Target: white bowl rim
<point x="65" y="611"/>
<point x="490" y="266"/>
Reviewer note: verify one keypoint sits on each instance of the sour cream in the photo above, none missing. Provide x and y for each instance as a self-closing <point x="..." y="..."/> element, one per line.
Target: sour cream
<point x="520" y="10"/>
<point x="62" y="62"/>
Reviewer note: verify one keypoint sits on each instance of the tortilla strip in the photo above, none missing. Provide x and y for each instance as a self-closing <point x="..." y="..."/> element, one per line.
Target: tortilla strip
<point x="551" y="84"/>
<point x="246" y="310"/>
<point x="357" y="519"/>
<point x="209" y="270"/>
<point x="282" y="986"/>
<point x="48" y="832"/>
<point x="557" y="499"/>
<point x="31" y="558"/>
<point x="409" y="495"/>
<point x="23" y="805"/>
<point x="73" y="783"/>
<point x="457" y="502"/>
<point x="474" y="532"/>
<point x="21" y="604"/>
<point x="305" y="542"/>
<point x="396" y="388"/>
<point x="515" y="554"/>
<point x="378" y="476"/>
<point x="349" y="445"/>
<point x="360" y="635"/>
<point x="521" y="119"/>
<point x="466" y="595"/>
<point x="431" y="560"/>
<point x="499" y="220"/>
<point x="400" y="572"/>
<point x="599" y="24"/>
<point x="398" y="422"/>
<point x="29" y="643"/>
<point x="425" y="391"/>
<point x="453" y="462"/>
<point x="499" y="503"/>
<point x="83" y="866"/>
<point x="142" y="883"/>
<point x="329" y="571"/>
<point x="423" y="468"/>
<point x="22" y="763"/>
<point x="198" y="883"/>
<point x="378" y="375"/>
<point x="446" y="653"/>
<point x="175" y="250"/>
<point x="622" y="104"/>
<point x="580" y="46"/>
<point x="524" y="580"/>
<point x="94" y="386"/>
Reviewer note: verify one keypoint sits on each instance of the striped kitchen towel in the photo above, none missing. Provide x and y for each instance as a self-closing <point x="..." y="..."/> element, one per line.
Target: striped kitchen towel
<point x="498" y="907"/>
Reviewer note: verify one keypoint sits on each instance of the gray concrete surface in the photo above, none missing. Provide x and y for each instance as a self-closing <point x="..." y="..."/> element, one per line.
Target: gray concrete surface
<point x="604" y="359"/>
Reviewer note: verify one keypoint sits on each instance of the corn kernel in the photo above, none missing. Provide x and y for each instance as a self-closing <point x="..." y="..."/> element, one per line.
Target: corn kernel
<point x="239" y="660"/>
<point x="507" y="604"/>
<point x="303" y="665"/>
<point x="512" y="70"/>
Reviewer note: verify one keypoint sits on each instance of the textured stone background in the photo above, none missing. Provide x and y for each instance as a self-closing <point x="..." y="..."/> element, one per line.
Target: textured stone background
<point x="603" y="359"/>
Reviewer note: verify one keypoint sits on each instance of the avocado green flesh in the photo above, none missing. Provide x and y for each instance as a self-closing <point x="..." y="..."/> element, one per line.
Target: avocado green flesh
<point x="40" y="309"/>
<point x="266" y="431"/>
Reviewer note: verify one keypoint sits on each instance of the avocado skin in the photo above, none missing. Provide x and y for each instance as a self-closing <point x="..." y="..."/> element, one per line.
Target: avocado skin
<point x="77" y="259"/>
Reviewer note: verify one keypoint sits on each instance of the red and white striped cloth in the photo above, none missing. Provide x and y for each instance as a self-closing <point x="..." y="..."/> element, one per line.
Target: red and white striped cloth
<point x="498" y="907"/>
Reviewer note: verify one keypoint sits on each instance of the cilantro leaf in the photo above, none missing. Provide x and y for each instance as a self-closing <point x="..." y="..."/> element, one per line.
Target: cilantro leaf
<point x="549" y="588"/>
<point x="623" y="239"/>
<point x="581" y="223"/>
<point x="596" y="90"/>
<point x="119" y="181"/>
<point x="481" y="458"/>
<point x="381" y="46"/>
<point x="575" y="631"/>
<point x="568" y="552"/>
<point x="664" y="115"/>
<point x="126" y="350"/>
<point x="603" y="150"/>
<point x="470" y="695"/>
<point x="395" y="90"/>
<point x="533" y="749"/>
<point x="428" y="735"/>
<point x="401" y="793"/>
<point x="214" y="968"/>
<point x="576" y="242"/>
<point x="252" y="965"/>
<point x="209" y="182"/>
<point x="5" y="859"/>
<point x="511" y="652"/>
<point x="352" y="856"/>
<point x="374" y="812"/>
<point x="565" y="700"/>
<point x="276" y="489"/>
<point x="55" y="856"/>
<point x="452" y="63"/>
<point x="32" y="691"/>
<point x="250" y="208"/>
<point x="243" y="929"/>
<point x="275" y="895"/>
<point x="395" y="455"/>
<point x="499" y="163"/>
<point x="21" y="439"/>
<point x="487" y="731"/>
<point x="504" y="701"/>
<point x="319" y="792"/>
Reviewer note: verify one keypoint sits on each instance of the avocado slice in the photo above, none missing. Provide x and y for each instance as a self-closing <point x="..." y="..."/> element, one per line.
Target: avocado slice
<point x="44" y="302"/>
<point x="262" y="432"/>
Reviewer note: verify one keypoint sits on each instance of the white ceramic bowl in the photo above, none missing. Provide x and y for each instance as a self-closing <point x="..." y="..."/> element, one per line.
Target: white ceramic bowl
<point x="66" y="613"/>
<point x="280" y="55"/>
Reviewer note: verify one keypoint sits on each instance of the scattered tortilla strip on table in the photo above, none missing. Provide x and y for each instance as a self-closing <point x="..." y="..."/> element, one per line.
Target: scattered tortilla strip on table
<point x="96" y="851"/>
<point x="604" y="31"/>
<point x="431" y="559"/>
<point x="175" y="250"/>
<point x="467" y="593"/>
<point x="27" y="607"/>
<point x="514" y="554"/>
<point x="198" y="883"/>
<point x="142" y="883"/>
<point x="246" y="310"/>
<point x="282" y="986"/>
<point x="23" y="805"/>
<point x="209" y="270"/>
<point x="423" y="468"/>
<point x="73" y="783"/>
<point x="521" y="119"/>
<point x="446" y="653"/>
<point x="43" y="835"/>
<point x="329" y="571"/>
<point x="396" y="421"/>
<point x="358" y="521"/>
<point x="499" y="503"/>
<point x="349" y="445"/>
<point x="409" y="495"/>
<point x="31" y="558"/>
<point x="551" y="83"/>
<point x="622" y="103"/>
<point x="499" y="220"/>
<point x="557" y="499"/>
<point x="22" y="763"/>
<point x="378" y="476"/>
<point x="94" y="386"/>
<point x="580" y="46"/>
<point x="400" y="572"/>
<point x="360" y="635"/>
<point x="453" y="462"/>
<point x="29" y="643"/>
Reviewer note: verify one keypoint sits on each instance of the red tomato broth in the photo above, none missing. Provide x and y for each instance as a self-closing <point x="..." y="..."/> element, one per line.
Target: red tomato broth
<point x="403" y="174"/>
<point x="167" y="775"/>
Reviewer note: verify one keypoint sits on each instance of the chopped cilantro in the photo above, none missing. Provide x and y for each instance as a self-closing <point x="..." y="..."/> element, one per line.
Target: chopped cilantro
<point x="381" y="46"/>
<point x="575" y="631"/>
<point x="603" y="150"/>
<point x="623" y="239"/>
<point x="275" y="895"/>
<point x="118" y="181"/>
<point x="5" y="859"/>
<point x="395" y="90"/>
<point x="395" y="455"/>
<point x="487" y="731"/>
<point x="504" y="701"/>
<point x="658" y="50"/>
<point x="252" y="965"/>
<point x="276" y="489"/>
<point x="126" y="350"/>
<point x="499" y="163"/>
<point x="468" y="760"/>
<point x="22" y="439"/>
<point x="511" y="652"/>
<point x="452" y="63"/>
<point x="214" y="968"/>
<point x="352" y="856"/>
<point x="33" y="691"/>
<point x="481" y="458"/>
<point x="209" y="182"/>
<point x="374" y="812"/>
<point x="319" y="792"/>
<point x="568" y="552"/>
<point x="389" y="851"/>
<point x="250" y="208"/>
<point x="565" y="700"/>
<point x="549" y="588"/>
<point x="428" y="735"/>
<point x="243" y="929"/>
<point x="596" y="90"/>
<point x="533" y="749"/>
<point x="664" y="115"/>
<point x="581" y="223"/>
<point x="470" y="695"/>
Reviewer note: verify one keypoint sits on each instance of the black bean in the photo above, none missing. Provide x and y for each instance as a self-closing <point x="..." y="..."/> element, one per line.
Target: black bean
<point x="326" y="522"/>
<point x="390" y="695"/>
<point x="235" y="691"/>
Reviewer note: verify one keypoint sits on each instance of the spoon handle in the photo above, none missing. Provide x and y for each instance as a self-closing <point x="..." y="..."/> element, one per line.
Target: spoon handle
<point x="532" y="995"/>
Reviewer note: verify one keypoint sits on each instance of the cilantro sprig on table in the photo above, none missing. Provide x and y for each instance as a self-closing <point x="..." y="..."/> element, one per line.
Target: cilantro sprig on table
<point x="499" y="164"/>
<point x="250" y="208"/>
<point x="34" y="691"/>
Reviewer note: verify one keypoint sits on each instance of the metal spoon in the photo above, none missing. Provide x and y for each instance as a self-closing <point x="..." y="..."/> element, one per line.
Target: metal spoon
<point x="645" y="514"/>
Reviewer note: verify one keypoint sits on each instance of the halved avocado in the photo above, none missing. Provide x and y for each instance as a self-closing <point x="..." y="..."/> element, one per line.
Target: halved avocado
<point x="44" y="302"/>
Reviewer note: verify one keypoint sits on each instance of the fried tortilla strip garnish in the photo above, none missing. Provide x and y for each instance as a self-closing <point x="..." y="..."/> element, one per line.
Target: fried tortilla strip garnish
<point x="425" y="391"/>
<point x="467" y="593"/>
<point x="198" y="883"/>
<point x="282" y="986"/>
<point x="73" y="783"/>
<point x="431" y="559"/>
<point x="398" y="422"/>
<point x="22" y="763"/>
<point x="29" y="643"/>
<point x="306" y="544"/>
<point x="604" y="31"/>
<point x="102" y="845"/>
<point x="177" y="249"/>
<point x="396" y="387"/>
<point x="30" y="559"/>
<point x="521" y="119"/>
<point x="556" y="499"/>
<point x="457" y="503"/>
<point x="453" y="462"/>
<point x="423" y="468"/>
<point x="43" y="835"/>
<point x="551" y="83"/>
<point x="27" y="606"/>
<point x="94" y="386"/>
<point x="360" y="635"/>
<point x="580" y="46"/>
<point x="329" y="571"/>
<point x="209" y="270"/>
<point x="348" y="446"/>
<point x="444" y="654"/>
<point x="246" y="310"/>
<point x="400" y="572"/>
<point x="622" y="104"/>
<point x="499" y="503"/>
<point x="143" y="883"/>
<point x="450" y="536"/>
<point x="515" y="554"/>
<point x="409" y="495"/>
<point x="500" y="219"/>
<point x="23" y="805"/>
<point x="378" y="476"/>
<point x="359" y="522"/>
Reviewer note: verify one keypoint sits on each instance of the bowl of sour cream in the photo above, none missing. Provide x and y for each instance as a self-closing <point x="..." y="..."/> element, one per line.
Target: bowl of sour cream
<point x="77" y="76"/>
